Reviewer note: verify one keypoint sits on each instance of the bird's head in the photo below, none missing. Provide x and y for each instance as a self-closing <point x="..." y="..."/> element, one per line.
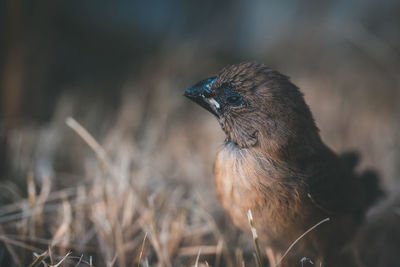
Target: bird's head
<point x="256" y="106"/>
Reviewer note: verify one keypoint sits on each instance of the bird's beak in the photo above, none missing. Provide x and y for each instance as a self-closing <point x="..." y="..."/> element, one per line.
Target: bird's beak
<point x="201" y="94"/>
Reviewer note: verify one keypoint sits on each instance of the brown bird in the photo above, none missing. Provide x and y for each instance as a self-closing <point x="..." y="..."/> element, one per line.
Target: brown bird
<point x="274" y="163"/>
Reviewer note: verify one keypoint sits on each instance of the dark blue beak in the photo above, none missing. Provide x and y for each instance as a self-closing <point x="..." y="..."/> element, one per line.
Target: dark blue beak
<point x="200" y="93"/>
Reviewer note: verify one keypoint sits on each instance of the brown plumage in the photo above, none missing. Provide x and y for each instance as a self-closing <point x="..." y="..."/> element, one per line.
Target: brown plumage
<point x="274" y="163"/>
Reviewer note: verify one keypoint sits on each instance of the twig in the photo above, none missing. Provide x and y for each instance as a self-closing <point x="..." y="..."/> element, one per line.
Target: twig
<point x="142" y="248"/>
<point x="300" y="237"/>
<point x="193" y="250"/>
<point x="9" y="248"/>
<point x="196" y="264"/>
<point x="88" y="138"/>
<point x="18" y="243"/>
<point x="255" y="237"/>
<point x="63" y="259"/>
<point x="39" y="259"/>
<point x="79" y="262"/>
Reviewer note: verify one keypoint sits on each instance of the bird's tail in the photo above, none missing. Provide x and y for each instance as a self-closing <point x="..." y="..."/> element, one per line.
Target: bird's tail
<point x="368" y="179"/>
<point x="372" y="188"/>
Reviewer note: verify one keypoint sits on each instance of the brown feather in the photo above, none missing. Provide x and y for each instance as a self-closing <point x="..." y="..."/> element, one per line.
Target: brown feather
<point x="275" y="164"/>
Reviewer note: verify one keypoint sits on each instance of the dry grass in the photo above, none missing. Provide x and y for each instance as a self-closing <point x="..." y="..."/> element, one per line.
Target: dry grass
<point x="109" y="217"/>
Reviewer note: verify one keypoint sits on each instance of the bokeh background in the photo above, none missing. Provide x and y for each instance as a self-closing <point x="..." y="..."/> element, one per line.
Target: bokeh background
<point x="144" y="192"/>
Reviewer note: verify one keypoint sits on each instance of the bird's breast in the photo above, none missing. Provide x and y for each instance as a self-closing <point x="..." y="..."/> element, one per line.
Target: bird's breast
<point x="248" y="180"/>
<point x="232" y="182"/>
<point x="244" y="180"/>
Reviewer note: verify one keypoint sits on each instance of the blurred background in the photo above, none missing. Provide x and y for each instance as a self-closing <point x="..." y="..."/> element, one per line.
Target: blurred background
<point x="144" y="192"/>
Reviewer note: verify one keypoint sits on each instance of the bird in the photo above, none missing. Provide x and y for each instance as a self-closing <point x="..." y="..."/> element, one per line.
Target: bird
<point x="274" y="163"/>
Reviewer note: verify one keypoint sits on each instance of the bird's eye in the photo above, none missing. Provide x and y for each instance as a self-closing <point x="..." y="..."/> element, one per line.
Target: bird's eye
<point x="232" y="98"/>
